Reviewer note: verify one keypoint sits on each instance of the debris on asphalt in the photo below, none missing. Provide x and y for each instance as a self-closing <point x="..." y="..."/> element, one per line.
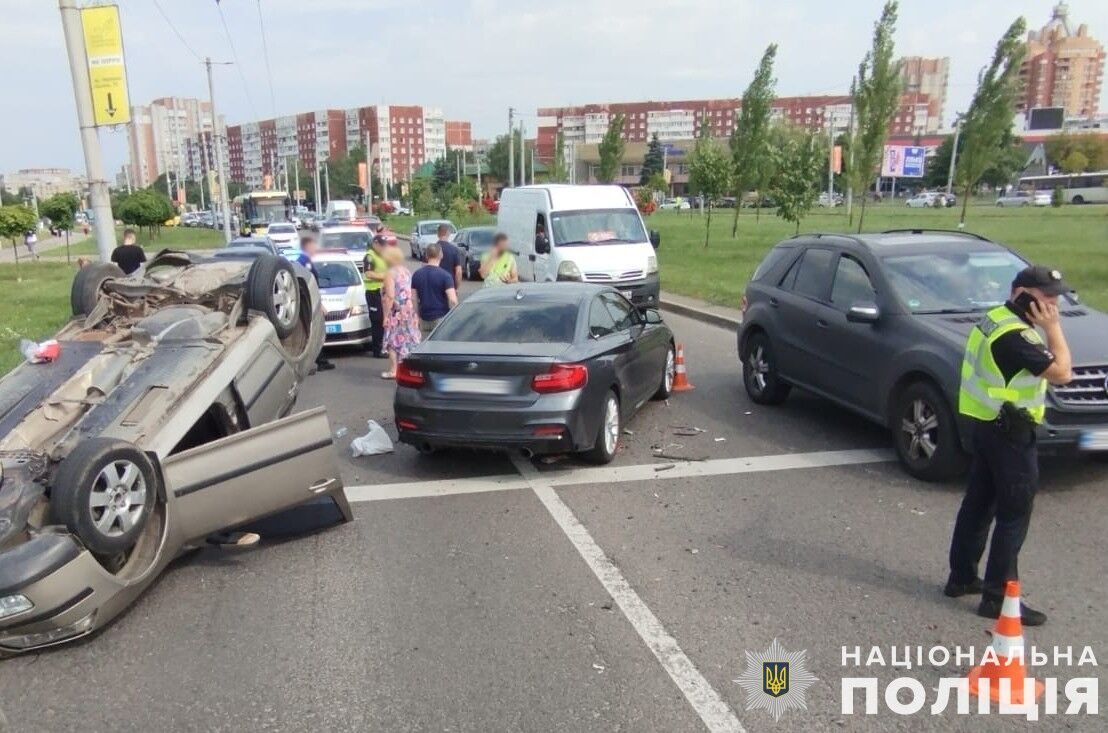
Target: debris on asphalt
<point x="748" y="412"/>
<point x="628" y="432"/>
<point x="687" y="431"/>
<point x="665" y="467"/>
<point x="672" y="457"/>
<point x="374" y="442"/>
<point x="550" y="460"/>
<point x="341" y="431"/>
<point x="598" y="667"/>
<point x="694" y="551"/>
<point x="720" y="440"/>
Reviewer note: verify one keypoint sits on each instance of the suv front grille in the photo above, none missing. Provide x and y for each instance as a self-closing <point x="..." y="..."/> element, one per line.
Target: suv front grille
<point x="1089" y="388"/>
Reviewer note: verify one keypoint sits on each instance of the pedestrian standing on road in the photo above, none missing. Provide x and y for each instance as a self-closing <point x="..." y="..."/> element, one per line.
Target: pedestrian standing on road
<point x="30" y="239"/>
<point x="451" y="257"/>
<point x="373" y="277"/>
<point x="129" y="256"/>
<point x="498" y="266"/>
<point x="434" y="290"/>
<point x="1004" y="379"/>
<point x="309" y="247"/>
<point x="401" y="320"/>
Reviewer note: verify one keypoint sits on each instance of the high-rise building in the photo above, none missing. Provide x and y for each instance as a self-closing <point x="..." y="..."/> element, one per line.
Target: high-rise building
<point x="404" y="137"/>
<point x="261" y="150"/>
<point x="682" y="120"/>
<point x="927" y="76"/>
<point x="44" y="182"/>
<point x="157" y="138"/>
<point x="1063" y="68"/>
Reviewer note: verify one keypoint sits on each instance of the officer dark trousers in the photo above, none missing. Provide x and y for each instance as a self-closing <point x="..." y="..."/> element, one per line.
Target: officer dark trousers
<point x="1003" y="479"/>
<point x="376" y="321"/>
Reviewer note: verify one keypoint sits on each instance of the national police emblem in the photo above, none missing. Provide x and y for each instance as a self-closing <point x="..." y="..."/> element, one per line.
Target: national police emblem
<point x="776" y="680"/>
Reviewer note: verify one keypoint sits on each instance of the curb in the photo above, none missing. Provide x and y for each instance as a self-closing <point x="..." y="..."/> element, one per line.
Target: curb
<point x="699" y="314"/>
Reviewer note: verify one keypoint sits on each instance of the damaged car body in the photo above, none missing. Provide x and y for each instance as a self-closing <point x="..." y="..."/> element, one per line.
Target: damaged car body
<point x="167" y="417"/>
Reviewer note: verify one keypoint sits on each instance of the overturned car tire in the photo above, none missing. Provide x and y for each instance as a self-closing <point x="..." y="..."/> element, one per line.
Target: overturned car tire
<point x="271" y="288"/>
<point x="104" y="492"/>
<point x="85" y="290"/>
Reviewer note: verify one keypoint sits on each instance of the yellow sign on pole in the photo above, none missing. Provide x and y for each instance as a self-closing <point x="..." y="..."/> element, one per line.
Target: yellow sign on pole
<point x="106" y="72"/>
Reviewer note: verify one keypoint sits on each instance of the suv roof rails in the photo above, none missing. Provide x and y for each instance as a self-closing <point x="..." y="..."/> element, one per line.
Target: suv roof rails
<point x="823" y="235"/>
<point x="919" y="230"/>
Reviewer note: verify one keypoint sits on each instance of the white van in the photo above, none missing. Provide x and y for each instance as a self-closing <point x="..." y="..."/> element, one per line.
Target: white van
<point x="586" y="233"/>
<point x="341" y="210"/>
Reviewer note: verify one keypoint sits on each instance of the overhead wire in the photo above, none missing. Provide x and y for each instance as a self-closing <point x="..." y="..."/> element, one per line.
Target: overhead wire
<point x="176" y="32"/>
<point x="265" y="54"/>
<point x="235" y="58"/>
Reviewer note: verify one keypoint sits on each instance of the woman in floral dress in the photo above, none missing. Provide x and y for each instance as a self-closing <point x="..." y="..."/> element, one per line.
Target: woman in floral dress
<point x="401" y="319"/>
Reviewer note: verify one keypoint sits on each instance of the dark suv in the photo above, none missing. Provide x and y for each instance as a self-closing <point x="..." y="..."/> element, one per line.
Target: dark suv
<point x="878" y="323"/>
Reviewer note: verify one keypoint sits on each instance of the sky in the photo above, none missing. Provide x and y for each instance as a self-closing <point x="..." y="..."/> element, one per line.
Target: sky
<point x="476" y="58"/>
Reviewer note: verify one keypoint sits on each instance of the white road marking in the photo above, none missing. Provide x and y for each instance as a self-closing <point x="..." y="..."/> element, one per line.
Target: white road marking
<point x="713" y="711"/>
<point x="618" y="474"/>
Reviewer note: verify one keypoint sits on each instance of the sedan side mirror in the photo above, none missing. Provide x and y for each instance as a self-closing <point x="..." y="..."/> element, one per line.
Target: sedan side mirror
<point x="655" y="238"/>
<point x="863" y="313"/>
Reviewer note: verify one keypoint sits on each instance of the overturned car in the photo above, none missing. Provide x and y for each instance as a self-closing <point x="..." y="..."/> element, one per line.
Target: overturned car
<point x="166" y="417"/>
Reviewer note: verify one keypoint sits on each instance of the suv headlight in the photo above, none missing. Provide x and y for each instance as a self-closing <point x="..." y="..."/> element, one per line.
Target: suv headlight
<point x="569" y="270"/>
<point x="651" y="265"/>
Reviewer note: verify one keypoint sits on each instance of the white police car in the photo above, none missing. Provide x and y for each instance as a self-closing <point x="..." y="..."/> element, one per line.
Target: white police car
<point x="343" y="294"/>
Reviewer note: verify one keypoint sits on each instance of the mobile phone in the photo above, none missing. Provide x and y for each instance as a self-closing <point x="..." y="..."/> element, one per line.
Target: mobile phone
<point x="1024" y="301"/>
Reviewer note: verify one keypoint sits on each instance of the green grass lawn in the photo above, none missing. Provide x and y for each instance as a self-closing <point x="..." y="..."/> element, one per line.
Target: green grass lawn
<point x="1073" y="239"/>
<point x="168" y="238"/>
<point x="32" y="308"/>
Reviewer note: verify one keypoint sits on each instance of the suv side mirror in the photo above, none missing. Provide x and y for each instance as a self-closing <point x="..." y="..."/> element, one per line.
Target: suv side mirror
<point x="863" y="313"/>
<point x="652" y="316"/>
<point x="542" y="244"/>
<point x="655" y="238"/>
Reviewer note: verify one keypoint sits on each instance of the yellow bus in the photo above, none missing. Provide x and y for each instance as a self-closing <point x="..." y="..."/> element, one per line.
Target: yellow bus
<point x="258" y="209"/>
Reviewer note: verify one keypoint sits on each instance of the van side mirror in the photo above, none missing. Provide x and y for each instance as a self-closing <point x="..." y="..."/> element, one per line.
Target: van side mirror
<point x="655" y="238"/>
<point x="542" y="244"/>
<point x="863" y="313"/>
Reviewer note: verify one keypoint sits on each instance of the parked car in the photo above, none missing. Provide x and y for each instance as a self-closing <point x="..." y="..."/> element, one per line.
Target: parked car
<point x="264" y="243"/>
<point x="830" y="201"/>
<point x="878" y="324"/>
<point x="473" y="242"/>
<point x="344" y="304"/>
<point x="344" y="211"/>
<point x="351" y="238"/>
<point x="166" y="417"/>
<point x="924" y="200"/>
<point x="425" y="232"/>
<point x="283" y="234"/>
<point x="1024" y="198"/>
<point x="676" y="204"/>
<point x="543" y="368"/>
<point x="399" y="209"/>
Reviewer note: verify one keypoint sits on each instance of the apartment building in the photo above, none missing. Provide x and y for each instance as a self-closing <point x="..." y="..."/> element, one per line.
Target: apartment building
<point x="929" y="77"/>
<point x="1063" y="68"/>
<point x="257" y="151"/>
<point x="44" y="182"/>
<point x="157" y="138"/>
<point x="682" y="120"/>
<point x="403" y="137"/>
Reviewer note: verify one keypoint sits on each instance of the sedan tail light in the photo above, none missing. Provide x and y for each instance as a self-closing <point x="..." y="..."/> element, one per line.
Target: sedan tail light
<point x="561" y="378"/>
<point x="408" y="377"/>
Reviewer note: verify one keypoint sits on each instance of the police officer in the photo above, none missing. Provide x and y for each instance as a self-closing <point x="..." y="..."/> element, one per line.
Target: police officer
<point x="373" y="276"/>
<point x="1005" y="373"/>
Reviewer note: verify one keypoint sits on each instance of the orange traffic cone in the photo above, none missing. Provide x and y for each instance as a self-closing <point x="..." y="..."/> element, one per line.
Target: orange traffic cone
<point x="1007" y="636"/>
<point x="681" y="377"/>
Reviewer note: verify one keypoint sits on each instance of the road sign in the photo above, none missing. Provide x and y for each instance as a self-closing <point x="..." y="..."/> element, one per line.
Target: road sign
<point x="107" y="75"/>
<point x="903" y="161"/>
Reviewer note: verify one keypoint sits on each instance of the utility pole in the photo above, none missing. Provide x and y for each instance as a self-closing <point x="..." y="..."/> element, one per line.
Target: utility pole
<point x="532" y="165"/>
<point x="296" y="175"/>
<point x="127" y="176"/>
<point x="522" y="160"/>
<point x="99" y="197"/>
<point x="954" y="153"/>
<point x="850" y="154"/>
<point x="318" y="194"/>
<point x="204" y="147"/>
<point x="830" y="162"/>
<point x="326" y="182"/>
<point x="511" y="148"/>
<point x="224" y="207"/>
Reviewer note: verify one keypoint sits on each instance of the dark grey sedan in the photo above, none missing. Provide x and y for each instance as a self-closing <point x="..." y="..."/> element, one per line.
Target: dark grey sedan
<point x="538" y="368"/>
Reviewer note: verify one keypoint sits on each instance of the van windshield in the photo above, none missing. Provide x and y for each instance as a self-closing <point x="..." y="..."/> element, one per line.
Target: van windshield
<point x="596" y="226"/>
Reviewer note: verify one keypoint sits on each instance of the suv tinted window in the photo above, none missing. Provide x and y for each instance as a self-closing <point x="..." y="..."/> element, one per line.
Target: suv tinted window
<point x="520" y="322"/>
<point x="621" y="311"/>
<point x="852" y="284"/>
<point x="813" y="270"/>
<point x="601" y="322"/>
<point x="775" y="255"/>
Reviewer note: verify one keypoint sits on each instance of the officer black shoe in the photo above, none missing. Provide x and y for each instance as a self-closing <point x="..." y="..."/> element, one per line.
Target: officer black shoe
<point x="957" y="590"/>
<point x="991" y="605"/>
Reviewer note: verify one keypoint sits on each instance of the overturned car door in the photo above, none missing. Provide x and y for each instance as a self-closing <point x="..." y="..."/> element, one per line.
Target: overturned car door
<point x="256" y="475"/>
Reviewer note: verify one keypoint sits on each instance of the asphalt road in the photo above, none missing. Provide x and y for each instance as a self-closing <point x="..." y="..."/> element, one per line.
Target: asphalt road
<point x="477" y="593"/>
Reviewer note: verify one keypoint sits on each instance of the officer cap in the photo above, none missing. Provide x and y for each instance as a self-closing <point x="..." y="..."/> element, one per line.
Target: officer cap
<point x="1045" y="279"/>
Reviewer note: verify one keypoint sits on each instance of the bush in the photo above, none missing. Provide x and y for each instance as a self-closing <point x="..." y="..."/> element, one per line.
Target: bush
<point x="458" y="208"/>
<point x="1057" y="198"/>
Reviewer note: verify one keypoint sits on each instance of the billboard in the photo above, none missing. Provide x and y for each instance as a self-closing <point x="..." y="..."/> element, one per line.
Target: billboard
<point x="107" y="75"/>
<point x="1046" y="118"/>
<point x="902" y="161"/>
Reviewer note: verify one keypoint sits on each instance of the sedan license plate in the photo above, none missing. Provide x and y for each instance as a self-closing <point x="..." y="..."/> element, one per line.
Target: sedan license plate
<point x="1094" y="440"/>
<point x="474" y="385"/>
<point x="334" y="328"/>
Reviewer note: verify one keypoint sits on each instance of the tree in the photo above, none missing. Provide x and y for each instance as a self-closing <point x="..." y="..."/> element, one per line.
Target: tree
<point x="611" y="150"/>
<point x="145" y="208"/>
<point x="709" y="173"/>
<point x="442" y="175"/>
<point x="750" y="152"/>
<point x="1009" y="160"/>
<point x="419" y="195"/>
<point x="654" y="162"/>
<point x="60" y="209"/>
<point x="989" y="116"/>
<point x="7" y="198"/>
<point x="497" y="163"/>
<point x="1094" y="147"/>
<point x="15" y="221"/>
<point x="559" y="170"/>
<point x="876" y="93"/>
<point x="800" y="161"/>
<point x="1075" y="162"/>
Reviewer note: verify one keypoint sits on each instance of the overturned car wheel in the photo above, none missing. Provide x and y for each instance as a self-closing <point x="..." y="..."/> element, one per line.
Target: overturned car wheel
<point x="271" y="288"/>
<point x="85" y="290"/>
<point x="104" y="492"/>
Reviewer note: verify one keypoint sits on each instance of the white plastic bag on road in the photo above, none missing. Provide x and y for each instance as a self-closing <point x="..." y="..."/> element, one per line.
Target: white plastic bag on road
<point x="373" y="443"/>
